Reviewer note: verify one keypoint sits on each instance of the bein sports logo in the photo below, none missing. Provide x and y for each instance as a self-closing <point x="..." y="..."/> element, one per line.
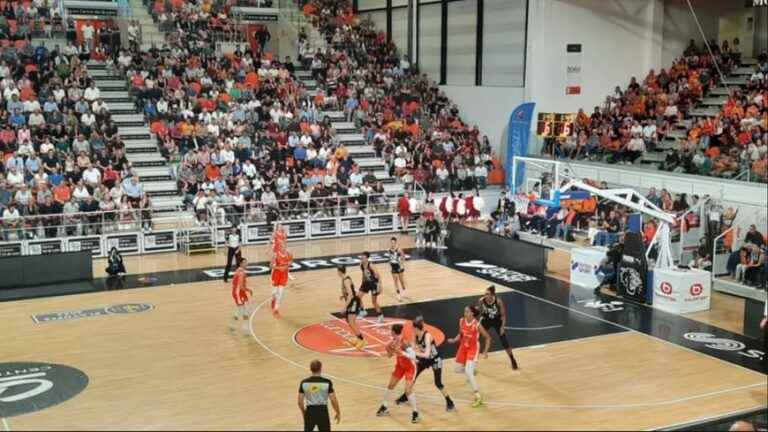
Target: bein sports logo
<point x="721" y="344"/>
<point x="584" y="267"/>
<point x="496" y="272"/>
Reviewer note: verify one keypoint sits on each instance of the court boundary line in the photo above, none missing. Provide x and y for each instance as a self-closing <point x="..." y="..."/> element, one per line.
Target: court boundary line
<point x="636" y="331"/>
<point x="710" y="418"/>
<point x="490" y="403"/>
<point x="6" y="426"/>
<point x="605" y="320"/>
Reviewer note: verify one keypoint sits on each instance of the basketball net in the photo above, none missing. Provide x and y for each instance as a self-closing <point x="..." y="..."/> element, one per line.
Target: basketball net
<point x="662" y="237"/>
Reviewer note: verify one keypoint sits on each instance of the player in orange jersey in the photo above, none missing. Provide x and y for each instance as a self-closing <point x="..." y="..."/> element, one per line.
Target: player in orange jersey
<point x="405" y="367"/>
<point x="242" y="296"/>
<point x="281" y="262"/>
<point x="469" y="348"/>
<point x="279" y="236"/>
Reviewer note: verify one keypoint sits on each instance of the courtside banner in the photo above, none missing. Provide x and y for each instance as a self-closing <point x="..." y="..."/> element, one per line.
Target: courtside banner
<point x="351" y="225"/>
<point x="125" y="243"/>
<point x="89" y="243"/>
<point x="258" y="233"/>
<point x="320" y="228"/>
<point x="517" y="142"/>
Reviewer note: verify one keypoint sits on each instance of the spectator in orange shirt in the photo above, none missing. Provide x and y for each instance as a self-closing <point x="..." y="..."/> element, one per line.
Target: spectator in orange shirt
<point x="62" y="193"/>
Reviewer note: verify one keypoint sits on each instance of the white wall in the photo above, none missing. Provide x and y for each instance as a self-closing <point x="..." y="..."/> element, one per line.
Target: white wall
<point x="619" y="40"/>
<point x="680" y="26"/>
<point x="733" y="23"/>
<point x="488" y="108"/>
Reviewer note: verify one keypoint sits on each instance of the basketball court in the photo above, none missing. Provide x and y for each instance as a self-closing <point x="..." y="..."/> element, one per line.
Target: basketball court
<point x="157" y="352"/>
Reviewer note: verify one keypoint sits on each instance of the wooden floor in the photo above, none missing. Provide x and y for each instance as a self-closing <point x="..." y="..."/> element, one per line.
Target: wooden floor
<point x="180" y="367"/>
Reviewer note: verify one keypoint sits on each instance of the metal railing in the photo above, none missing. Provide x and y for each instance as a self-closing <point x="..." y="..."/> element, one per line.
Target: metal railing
<point x="294" y="209"/>
<point x="715" y="250"/>
<point x="77" y="224"/>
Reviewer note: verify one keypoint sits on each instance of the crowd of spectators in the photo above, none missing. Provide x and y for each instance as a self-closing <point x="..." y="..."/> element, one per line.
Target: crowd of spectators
<point x="637" y="119"/>
<point x="248" y="141"/>
<point x="403" y="114"/>
<point x="63" y="160"/>
<point x="19" y="21"/>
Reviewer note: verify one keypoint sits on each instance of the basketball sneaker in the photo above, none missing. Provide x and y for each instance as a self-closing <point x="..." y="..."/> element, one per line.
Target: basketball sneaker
<point x="478" y="401"/>
<point x="381" y="319"/>
<point x="360" y="344"/>
<point x="383" y="411"/>
<point x="415" y="417"/>
<point x="449" y="406"/>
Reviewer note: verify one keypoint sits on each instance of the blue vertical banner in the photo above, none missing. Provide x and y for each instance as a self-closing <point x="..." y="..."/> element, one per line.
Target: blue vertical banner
<point x="517" y="142"/>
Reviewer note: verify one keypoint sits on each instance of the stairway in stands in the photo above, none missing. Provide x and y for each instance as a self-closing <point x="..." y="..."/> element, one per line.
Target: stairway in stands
<point x="352" y="138"/>
<point x="140" y="145"/>
<point x="150" y="32"/>
<point x="710" y="106"/>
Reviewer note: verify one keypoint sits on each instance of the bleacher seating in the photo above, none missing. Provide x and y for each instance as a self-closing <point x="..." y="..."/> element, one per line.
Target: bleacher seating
<point x="688" y="118"/>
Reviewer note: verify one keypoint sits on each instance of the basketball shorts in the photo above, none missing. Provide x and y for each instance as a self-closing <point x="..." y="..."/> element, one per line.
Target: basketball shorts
<point x="371" y="287"/>
<point x="397" y="268"/>
<point x="279" y="277"/>
<point x="353" y="306"/>
<point x="241" y="298"/>
<point x="405" y="370"/>
<point x="467" y="354"/>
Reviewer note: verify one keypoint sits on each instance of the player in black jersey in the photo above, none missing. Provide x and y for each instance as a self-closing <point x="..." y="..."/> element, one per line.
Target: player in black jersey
<point x="352" y="306"/>
<point x="371" y="284"/>
<point x="427" y="356"/>
<point x="396" y="258"/>
<point x="494" y="316"/>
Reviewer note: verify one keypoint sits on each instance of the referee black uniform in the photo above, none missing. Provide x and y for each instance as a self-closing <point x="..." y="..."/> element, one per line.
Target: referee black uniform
<point x="316" y="391"/>
<point x="233" y="251"/>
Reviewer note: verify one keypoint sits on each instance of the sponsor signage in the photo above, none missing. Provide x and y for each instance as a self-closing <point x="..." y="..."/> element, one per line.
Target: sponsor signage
<point x="255" y="14"/>
<point x="258" y="232"/>
<point x="26" y="387"/>
<point x="585" y="263"/>
<point x="118" y="309"/>
<point x="296" y="230"/>
<point x="573" y="69"/>
<point x="11" y="249"/>
<point x="100" y="12"/>
<point x="353" y="225"/>
<point x="257" y="17"/>
<point x="323" y="228"/>
<point x="681" y="291"/>
<point x="158" y="241"/>
<point x="93" y="244"/>
<point x="45" y="247"/>
<point x="381" y="223"/>
<point x="722" y="344"/>
<point x="123" y="242"/>
<point x="495" y="272"/>
<point x="262" y="268"/>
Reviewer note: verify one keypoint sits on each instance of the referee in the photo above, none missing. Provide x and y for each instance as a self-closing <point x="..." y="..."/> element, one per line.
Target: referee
<point x="314" y="393"/>
<point x="233" y="251"/>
